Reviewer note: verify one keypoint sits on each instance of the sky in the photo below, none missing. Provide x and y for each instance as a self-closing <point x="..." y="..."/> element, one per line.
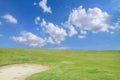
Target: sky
<point x="60" y="24"/>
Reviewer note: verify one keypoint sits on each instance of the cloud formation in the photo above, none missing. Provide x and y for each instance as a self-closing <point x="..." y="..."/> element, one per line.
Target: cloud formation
<point x="81" y="36"/>
<point x="37" y="19"/>
<point x="29" y="39"/>
<point x="9" y="18"/>
<point x="80" y="22"/>
<point x="56" y="34"/>
<point x="43" y="5"/>
<point x="93" y="20"/>
<point x="72" y="30"/>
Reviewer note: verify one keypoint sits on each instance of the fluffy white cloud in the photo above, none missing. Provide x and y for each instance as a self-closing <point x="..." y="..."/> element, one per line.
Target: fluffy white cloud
<point x="72" y="31"/>
<point x="56" y="34"/>
<point x="43" y="5"/>
<point x="81" y="37"/>
<point x="50" y="40"/>
<point x="9" y="18"/>
<point x="93" y="20"/>
<point x="29" y="39"/>
<point x="37" y="19"/>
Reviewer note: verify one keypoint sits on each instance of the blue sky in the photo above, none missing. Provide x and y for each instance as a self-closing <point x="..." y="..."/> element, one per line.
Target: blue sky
<point x="60" y="24"/>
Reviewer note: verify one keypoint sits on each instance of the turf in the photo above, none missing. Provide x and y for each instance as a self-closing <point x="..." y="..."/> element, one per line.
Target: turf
<point x="67" y="64"/>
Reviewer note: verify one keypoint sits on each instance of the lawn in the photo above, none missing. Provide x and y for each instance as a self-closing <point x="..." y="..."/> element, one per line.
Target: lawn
<point x="67" y="64"/>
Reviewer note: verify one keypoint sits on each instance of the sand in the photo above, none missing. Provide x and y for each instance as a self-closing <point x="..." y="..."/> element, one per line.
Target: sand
<point x="20" y="71"/>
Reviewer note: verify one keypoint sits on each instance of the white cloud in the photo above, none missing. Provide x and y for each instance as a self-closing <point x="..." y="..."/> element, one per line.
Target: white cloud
<point x="37" y="19"/>
<point x="9" y="18"/>
<point x="43" y="5"/>
<point x="93" y="20"/>
<point x="29" y="39"/>
<point x="50" y="40"/>
<point x="83" y="32"/>
<point x="81" y="37"/>
<point x="71" y="28"/>
<point x="72" y="31"/>
<point x="43" y="23"/>
<point x="56" y="34"/>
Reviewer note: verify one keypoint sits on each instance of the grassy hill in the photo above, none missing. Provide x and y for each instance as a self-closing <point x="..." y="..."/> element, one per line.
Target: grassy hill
<point x="67" y="64"/>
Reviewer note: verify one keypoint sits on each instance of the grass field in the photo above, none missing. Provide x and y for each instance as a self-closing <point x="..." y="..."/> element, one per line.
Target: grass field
<point x="67" y="64"/>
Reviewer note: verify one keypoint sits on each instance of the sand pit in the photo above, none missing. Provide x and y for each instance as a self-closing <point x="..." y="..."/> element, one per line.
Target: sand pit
<point x="20" y="71"/>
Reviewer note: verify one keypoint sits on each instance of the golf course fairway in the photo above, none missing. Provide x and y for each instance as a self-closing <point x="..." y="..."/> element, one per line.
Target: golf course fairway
<point x="67" y="64"/>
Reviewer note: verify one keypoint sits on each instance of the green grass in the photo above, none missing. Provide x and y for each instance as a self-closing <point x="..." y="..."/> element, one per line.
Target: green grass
<point x="67" y="64"/>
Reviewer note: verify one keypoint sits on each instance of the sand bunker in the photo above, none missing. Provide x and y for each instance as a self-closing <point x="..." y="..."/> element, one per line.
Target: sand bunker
<point x="20" y="71"/>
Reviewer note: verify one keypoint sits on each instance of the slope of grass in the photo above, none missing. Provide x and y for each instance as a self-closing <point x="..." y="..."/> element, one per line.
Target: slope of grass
<point x="67" y="64"/>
